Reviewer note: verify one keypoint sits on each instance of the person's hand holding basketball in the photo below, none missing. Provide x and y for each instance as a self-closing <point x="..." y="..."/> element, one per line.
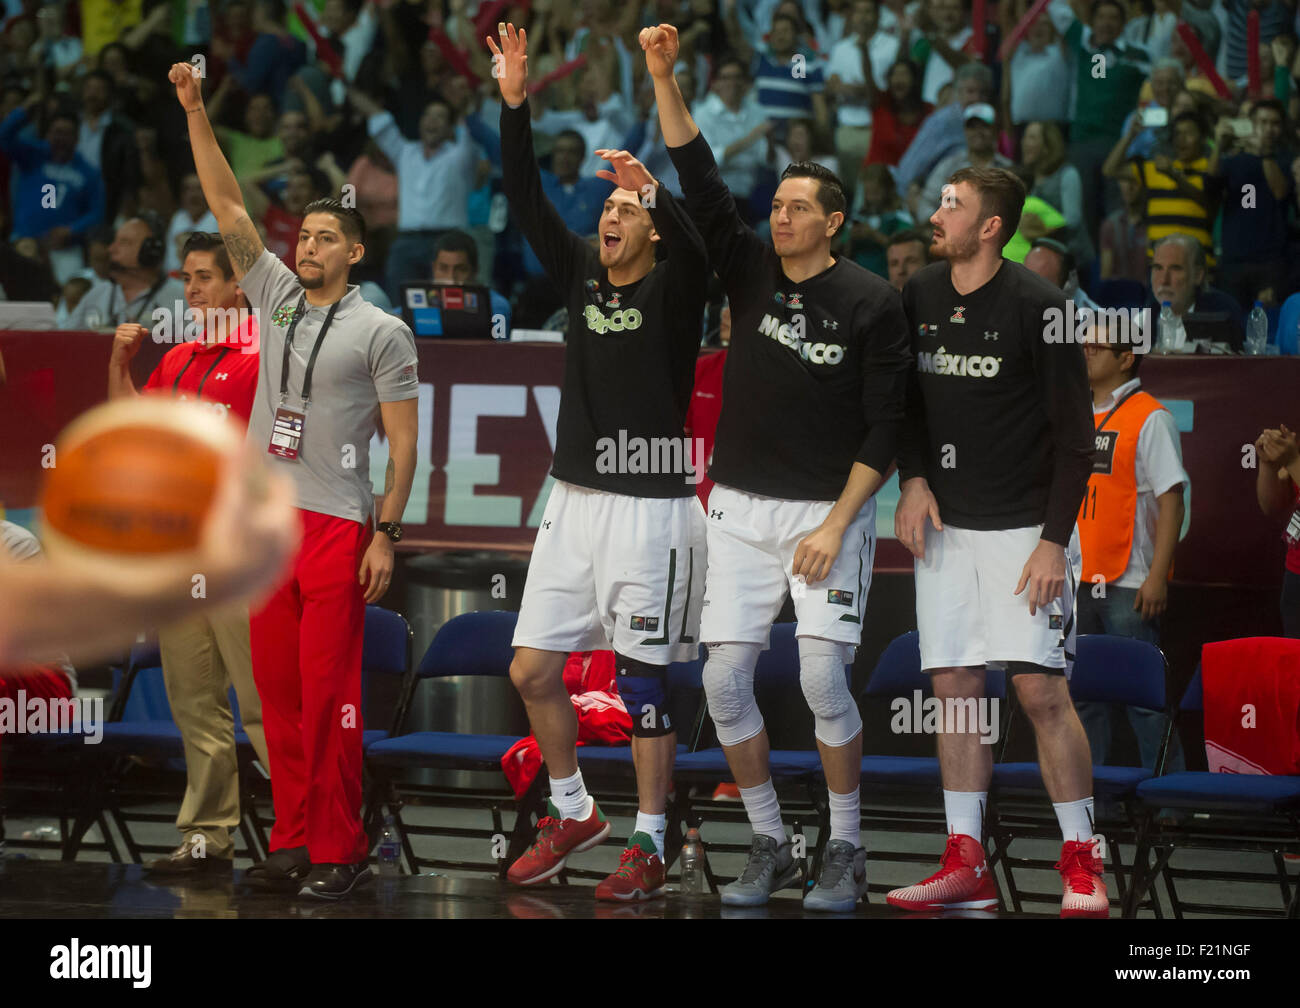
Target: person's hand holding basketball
<point x="510" y="63"/>
<point x="661" y="46"/>
<point x="188" y="92"/>
<point x="126" y="341"/>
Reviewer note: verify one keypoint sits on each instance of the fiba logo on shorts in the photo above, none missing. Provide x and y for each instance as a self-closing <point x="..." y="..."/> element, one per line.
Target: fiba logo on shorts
<point x="623" y="319"/>
<point x="958" y="365"/>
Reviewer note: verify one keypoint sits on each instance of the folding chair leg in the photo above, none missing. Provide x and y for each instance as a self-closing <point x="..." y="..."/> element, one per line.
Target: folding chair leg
<point x="1284" y="880"/>
<point x="522" y="834"/>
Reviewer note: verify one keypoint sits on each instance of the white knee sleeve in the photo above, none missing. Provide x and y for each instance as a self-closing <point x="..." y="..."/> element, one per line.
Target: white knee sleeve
<point x="729" y="687"/>
<point x="826" y="688"/>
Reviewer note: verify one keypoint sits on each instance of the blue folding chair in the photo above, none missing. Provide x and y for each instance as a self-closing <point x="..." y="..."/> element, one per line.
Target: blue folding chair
<point x="1107" y="669"/>
<point x="142" y="729"/>
<point x="1220" y="811"/>
<point x="471" y="644"/>
<point x="902" y="794"/>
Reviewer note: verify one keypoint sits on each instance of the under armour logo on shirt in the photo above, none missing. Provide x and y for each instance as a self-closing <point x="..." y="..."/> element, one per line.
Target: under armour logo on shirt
<point x="715" y="514"/>
<point x="221" y="376"/>
<point x="546" y="524"/>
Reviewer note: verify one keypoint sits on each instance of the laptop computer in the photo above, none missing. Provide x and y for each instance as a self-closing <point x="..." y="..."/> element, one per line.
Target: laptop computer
<point x="448" y="311"/>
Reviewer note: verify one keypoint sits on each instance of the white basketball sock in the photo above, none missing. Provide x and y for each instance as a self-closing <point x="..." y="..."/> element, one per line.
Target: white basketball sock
<point x="1076" y="818"/>
<point x="764" y="810"/>
<point x="846" y="817"/>
<point x="655" y="826"/>
<point x="570" y="797"/>
<point x="965" y="812"/>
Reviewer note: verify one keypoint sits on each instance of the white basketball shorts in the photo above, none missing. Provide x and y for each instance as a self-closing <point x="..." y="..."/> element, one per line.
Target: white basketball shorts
<point x="966" y="609"/>
<point x="752" y="541"/>
<point x="613" y="571"/>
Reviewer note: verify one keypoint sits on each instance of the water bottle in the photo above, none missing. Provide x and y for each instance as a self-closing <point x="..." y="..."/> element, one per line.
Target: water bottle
<point x="1168" y="337"/>
<point x="1256" y="330"/>
<point x="388" y="852"/>
<point x="693" y="864"/>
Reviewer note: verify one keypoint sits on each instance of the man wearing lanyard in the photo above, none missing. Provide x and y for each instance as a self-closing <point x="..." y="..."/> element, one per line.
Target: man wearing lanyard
<point x="139" y="284"/>
<point x="332" y="366"/>
<point x="207" y="653"/>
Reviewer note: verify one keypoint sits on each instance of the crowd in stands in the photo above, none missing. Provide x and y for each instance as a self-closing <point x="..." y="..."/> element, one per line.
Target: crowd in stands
<point x="1130" y="121"/>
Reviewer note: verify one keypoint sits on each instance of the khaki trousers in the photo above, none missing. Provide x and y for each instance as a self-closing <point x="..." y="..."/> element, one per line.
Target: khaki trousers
<point x="201" y="659"/>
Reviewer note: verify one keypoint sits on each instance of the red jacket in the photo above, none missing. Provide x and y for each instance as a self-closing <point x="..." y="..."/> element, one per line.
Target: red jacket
<point x="1252" y="705"/>
<point x="589" y="676"/>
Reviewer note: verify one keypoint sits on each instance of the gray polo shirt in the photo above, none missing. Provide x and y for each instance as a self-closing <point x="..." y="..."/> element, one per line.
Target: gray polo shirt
<point x="368" y="357"/>
<point x="105" y="306"/>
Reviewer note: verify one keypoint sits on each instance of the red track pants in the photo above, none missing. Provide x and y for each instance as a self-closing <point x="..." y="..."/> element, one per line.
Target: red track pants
<point x="306" y="645"/>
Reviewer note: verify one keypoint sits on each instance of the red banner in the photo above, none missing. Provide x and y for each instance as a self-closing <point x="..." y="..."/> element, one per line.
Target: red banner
<point x="487" y="421"/>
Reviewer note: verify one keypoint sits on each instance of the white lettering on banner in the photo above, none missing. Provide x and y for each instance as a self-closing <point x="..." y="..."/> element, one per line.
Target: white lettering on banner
<point x="547" y="398"/>
<point x="466" y="468"/>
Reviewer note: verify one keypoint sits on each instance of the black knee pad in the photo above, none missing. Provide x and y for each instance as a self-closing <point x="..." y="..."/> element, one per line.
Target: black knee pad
<point x="1025" y="668"/>
<point x="641" y="685"/>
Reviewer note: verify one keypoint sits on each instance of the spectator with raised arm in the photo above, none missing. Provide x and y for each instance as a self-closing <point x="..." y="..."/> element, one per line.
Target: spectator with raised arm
<point x="1257" y="191"/>
<point x="52" y="165"/>
<point x="435" y="176"/>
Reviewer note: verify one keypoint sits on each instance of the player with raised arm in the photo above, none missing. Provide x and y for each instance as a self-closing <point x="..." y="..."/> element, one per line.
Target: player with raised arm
<point x="317" y="406"/>
<point x="995" y="456"/>
<point x="812" y="403"/>
<point x="619" y="557"/>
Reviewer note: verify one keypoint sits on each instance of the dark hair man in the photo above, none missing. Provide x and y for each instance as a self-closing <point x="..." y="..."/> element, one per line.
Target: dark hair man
<point x="210" y="651"/>
<point x="813" y="398"/>
<point x="995" y="455"/>
<point x="316" y="409"/>
<point x="619" y="558"/>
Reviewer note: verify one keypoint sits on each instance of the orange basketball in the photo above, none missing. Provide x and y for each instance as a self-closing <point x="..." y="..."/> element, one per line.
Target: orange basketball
<point x="134" y="480"/>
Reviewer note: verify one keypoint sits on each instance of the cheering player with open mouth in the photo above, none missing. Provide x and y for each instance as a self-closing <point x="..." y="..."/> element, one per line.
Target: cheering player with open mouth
<point x="812" y="403"/>
<point x="996" y="456"/>
<point x="619" y="557"/>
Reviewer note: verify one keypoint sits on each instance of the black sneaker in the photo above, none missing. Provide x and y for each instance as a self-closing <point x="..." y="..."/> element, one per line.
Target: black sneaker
<point x="334" y="881"/>
<point x="284" y="870"/>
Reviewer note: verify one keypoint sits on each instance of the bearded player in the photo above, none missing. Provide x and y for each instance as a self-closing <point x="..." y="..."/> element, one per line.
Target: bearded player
<point x="619" y="557"/>
<point x="812" y="402"/>
<point x="993" y="463"/>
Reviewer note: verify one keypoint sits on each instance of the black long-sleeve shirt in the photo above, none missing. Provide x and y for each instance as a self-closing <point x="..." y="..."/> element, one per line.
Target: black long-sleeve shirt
<point x="816" y="375"/>
<point x="999" y="420"/>
<point x="630" y="361"/>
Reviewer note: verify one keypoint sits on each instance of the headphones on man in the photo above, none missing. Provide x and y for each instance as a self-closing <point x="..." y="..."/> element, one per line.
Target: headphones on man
<point x="152" y="249"/>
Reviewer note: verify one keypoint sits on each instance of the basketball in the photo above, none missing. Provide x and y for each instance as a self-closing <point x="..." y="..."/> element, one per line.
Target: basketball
<point x="134" y="480"/>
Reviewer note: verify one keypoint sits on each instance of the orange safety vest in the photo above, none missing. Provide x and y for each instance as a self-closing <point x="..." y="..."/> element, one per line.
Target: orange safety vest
<point x="1109" y="510"/>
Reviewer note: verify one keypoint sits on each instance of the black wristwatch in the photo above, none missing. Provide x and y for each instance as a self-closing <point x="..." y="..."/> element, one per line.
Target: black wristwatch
<point x="391" y="529"/>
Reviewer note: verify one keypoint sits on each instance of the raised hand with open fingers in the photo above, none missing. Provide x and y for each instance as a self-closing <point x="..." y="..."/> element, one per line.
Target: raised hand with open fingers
<point x="661" y="45"/>
<point x="627" y="172"/>
<point x="510" y="62"/>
